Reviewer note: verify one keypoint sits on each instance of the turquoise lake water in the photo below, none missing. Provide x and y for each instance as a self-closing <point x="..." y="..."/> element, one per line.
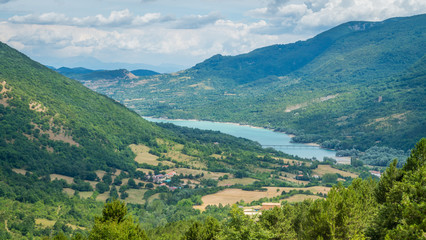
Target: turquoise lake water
<point x="265" y="137"/>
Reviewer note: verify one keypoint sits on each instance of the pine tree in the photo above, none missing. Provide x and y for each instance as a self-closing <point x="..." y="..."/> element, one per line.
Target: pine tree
<point x="116" y="224"/>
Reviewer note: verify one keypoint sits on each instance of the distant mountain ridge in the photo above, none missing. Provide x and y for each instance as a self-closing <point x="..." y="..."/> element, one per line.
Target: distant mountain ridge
<point x="355" y="85"/>
<point x="81" y="73"/>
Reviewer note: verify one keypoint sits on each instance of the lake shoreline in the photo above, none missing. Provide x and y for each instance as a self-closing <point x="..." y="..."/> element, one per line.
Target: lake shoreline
<point x="243" y="125"/>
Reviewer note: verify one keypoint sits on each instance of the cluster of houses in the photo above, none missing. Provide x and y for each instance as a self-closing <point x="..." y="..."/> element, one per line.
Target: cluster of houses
<point x="163" y="178"/>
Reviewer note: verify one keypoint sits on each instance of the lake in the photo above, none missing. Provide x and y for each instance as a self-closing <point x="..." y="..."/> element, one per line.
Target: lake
<point x="266" y="137"/>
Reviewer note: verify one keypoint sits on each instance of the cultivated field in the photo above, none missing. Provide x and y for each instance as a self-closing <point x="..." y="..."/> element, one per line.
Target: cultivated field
<point x="207" y="175"/>
<point x="291" y="179"/>
<point x="232" y="181"/>
<point x="301" y="198"/>
<point x="323" y="169"/>
<point x="231" y="196"/>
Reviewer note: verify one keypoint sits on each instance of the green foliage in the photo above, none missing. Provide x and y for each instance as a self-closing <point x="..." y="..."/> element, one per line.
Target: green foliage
<point x="402" y="194"/>
<point x="207" y="231"/>
<point x="383" y="156"/>
<point x="115" y="224"/>
<point x="240" y="226"/>
<point x="102" y="187"/>
<point x="279" y="222"/>
<point x="329" y="178"/>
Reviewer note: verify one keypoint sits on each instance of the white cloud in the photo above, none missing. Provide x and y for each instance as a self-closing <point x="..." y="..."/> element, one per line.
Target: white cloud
<point x="123" y="18"/>
<point x="288" y="16"/>
<point x="151" y="35"/>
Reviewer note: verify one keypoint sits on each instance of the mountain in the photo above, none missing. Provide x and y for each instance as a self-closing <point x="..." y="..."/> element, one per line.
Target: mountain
<point x="94" y="63"/>
<point x="88" y="74"/>
<point x="65" y="150"/>
<point x="353" y="86"/>
<point x="143" y="72"/>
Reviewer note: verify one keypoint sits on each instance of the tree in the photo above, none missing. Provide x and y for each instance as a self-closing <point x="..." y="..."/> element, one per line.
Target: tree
<point x="241" y="226"/>
<point x="207" y="231"/>
<point x="116" y="224"/>
<point x="132" y="183"/>
<point x="329" y="178"/>
<point x="402" y="194"/>
<point x="113" y="193"/>
<point x="279" y="222"/>
<point x="107" y="179"/>
<point x="102" y="187"/>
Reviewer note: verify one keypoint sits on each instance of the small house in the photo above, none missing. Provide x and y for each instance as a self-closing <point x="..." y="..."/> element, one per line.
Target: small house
<point x="268" y="206"/>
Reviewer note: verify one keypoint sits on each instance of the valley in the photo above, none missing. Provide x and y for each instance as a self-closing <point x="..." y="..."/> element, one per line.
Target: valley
<point x="348" y="87"/>
<point x="78" y="160"/>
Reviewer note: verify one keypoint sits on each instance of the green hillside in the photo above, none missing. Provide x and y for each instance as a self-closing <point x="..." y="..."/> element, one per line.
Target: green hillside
<point x="353" y="86"/>
<point x="65" y="150"/>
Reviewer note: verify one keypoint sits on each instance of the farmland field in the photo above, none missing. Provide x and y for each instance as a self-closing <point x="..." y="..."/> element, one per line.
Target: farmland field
<point x="243" y="181"/>
<point x="301" y="198"/>
<point x="231" y="196"/>
<point x="323" y="169"/>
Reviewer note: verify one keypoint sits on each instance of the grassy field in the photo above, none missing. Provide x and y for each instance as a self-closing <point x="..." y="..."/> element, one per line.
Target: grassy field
<point x="291" y="161"/>
<point x="69" y="180"/>
<point x="291" y="179"/>
<point x="154" y="197"/>
<point x="85" y="194"/>
<point x="70" y="192"/>
<point x="323" y="169"/>
<point x="207" y="174"/>
<point x="143" y="155"/>
<point x="301" y="198"/>
<point x="92" y="183"/>
<point x="20" y="171"/>
<point x="146" y="171"/>
<point x="135" y="196"/>
<point x="231" y="196"/>
<point x="232" y="181"/>
<point x="100" y="173"/>
<point x="102" y="197"/>
<point x="175" y="152"/>
<point x="44" y="222"/>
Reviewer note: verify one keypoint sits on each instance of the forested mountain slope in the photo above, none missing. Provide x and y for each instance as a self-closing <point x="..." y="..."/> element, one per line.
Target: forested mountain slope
<point x="65" y="150"/>
<point x="355" y="85"/>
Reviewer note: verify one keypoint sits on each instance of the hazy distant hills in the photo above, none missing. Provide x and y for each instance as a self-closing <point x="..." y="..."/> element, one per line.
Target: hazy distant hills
<point x="80" y="73"/>
<point x="356" y="85"/>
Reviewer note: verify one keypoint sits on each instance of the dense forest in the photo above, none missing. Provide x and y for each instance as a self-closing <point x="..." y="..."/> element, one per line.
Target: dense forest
<point x="353" y="86"/>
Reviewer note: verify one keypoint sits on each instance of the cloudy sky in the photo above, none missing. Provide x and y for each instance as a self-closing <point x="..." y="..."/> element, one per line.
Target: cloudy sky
<point x="179" y="32"/>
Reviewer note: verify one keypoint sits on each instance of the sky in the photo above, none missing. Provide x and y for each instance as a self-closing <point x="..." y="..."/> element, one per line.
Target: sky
<point x="171" y="35"/>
